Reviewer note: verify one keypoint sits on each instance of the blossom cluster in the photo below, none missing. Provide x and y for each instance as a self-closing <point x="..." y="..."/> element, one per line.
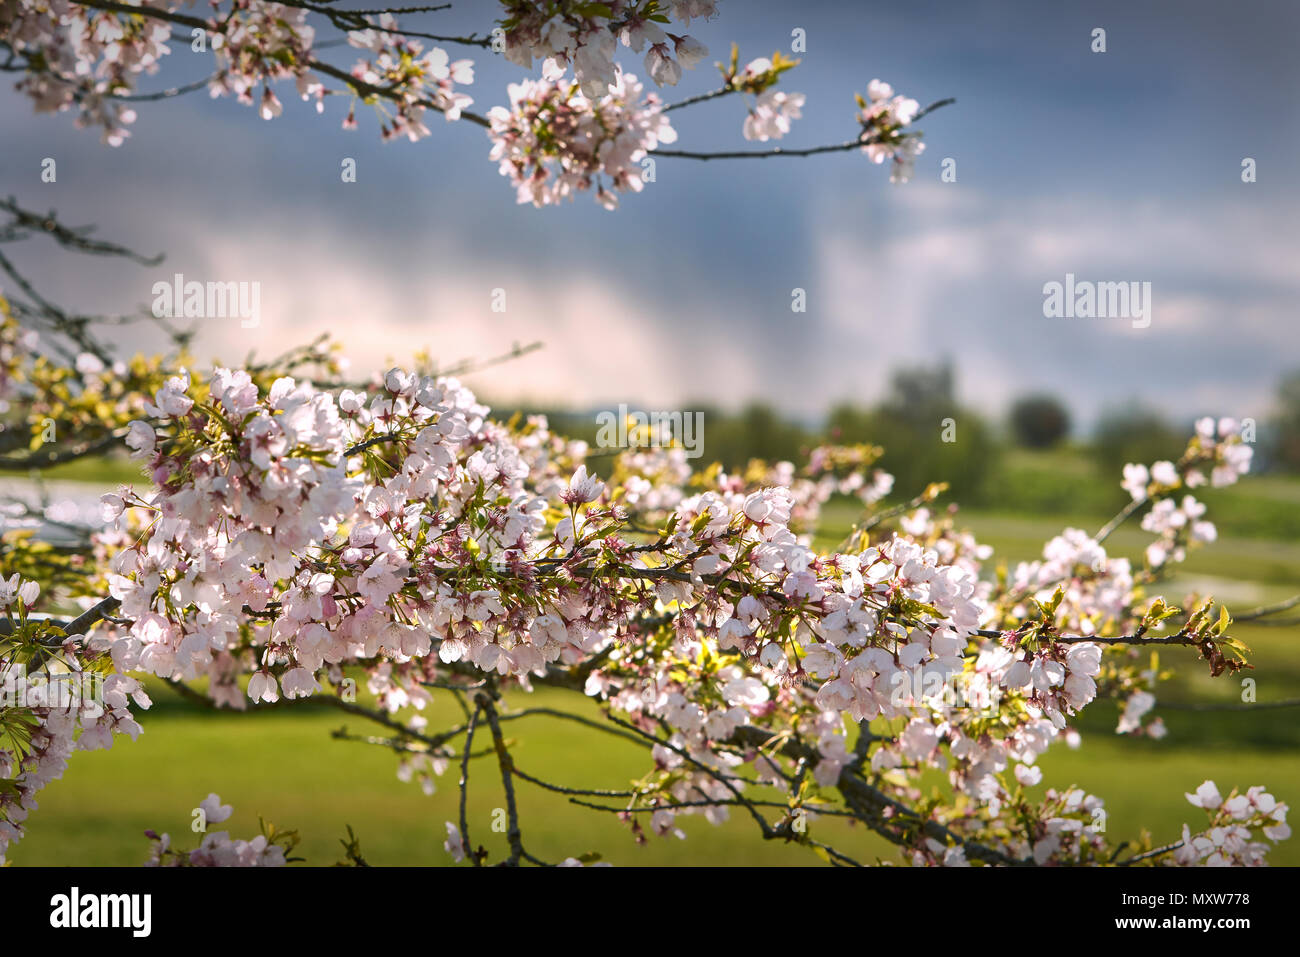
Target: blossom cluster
<point x="581" y="36"/>
<point x="772" y="111"/>
<point x="17" y="348"/>
<point x="259" y="43"/>
<point x="883" y="116"/>
<point x="1136" y="707"/>
<point x="1098" y="586"/>
<point x="1216" y="446"/>
<point x="91" y="59"/>
<point x="770" y="116"/>
<point x="40" y="728"/>
<point x="218" y="848"/>
<point x="83" y="58"/>
<point x="554" y="140"/>
<point x="413" y="78"/>
<point x="1230" y="839"/>
<point x="562" y="132"/>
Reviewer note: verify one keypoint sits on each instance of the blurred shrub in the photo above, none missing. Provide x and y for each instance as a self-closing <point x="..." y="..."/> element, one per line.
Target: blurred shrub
<point x="926" y="435"/>
<point x="757" y="432"/>
<point x="732" y="438"/>
<point x="1135" y="435"/>
<point x="1039" y="421"/>
<point x="1061" y="482"/>
<point x="1286" y="427"/>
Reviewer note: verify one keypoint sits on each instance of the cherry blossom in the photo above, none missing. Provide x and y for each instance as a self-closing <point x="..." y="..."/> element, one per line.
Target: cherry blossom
<point x="553" y="141"/>
<point x="218" y="848"/>
<point x="883" y="116"/>
<point x="564" y="35"/>
<point x="769" y="118"/>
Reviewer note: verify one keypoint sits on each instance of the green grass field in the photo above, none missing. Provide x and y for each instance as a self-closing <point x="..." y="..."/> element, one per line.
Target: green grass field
<point x="285" y="766"/>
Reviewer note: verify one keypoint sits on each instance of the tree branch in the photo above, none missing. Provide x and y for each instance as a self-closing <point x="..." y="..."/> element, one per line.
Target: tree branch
<point x="782" y="151"/>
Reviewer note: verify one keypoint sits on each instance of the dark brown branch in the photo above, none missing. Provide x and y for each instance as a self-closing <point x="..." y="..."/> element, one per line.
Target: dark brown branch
<point x="567" y="716"/>
<point x="1180" y="638"/>
<point x="91" y="616"/>
<point x="464" y="790"/>
<point x="506" y="764"/>
<point x="1231" y="705"/>
<point x="358" y="86"/>
<point x="42" y="460"/>
<point x="782" y="151"/>
<point x="700" y="98"/>
<point x="1265" y="610"/>
<point x="76" y="238"/>
<point x="1123" y="516"/>
<point x="166" y="94"/>
<point x="468" y="366"/>
<point x="870" y="802"/>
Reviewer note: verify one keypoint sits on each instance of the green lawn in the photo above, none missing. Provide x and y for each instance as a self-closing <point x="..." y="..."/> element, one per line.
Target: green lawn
<point x="285" y="766"/>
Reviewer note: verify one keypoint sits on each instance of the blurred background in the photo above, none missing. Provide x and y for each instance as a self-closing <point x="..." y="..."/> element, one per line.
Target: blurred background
<point x="924" y="302"/>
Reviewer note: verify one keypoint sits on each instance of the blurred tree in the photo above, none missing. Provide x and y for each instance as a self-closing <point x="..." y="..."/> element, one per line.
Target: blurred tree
<point x="732" y="438"/>
<point x="1039" y="421"/>
<point x="926" y="435"/>
<point x="758" y="431"/>
<point x="1287" y="424"/>
<point x="1134" y="435"/>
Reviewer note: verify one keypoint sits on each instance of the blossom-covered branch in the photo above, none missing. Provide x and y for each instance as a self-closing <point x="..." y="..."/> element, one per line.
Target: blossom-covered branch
<point x="297" y="535"/>
<point x="585" y="123"/>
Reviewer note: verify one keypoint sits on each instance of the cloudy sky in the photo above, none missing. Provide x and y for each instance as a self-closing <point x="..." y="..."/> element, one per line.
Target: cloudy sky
<point x="1115" y="166"/>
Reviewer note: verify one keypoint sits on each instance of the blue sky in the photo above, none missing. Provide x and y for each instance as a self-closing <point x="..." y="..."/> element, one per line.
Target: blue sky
<point x="1122" y="166"/>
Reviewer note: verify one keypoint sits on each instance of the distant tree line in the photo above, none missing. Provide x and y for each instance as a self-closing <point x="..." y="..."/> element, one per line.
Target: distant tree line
<point x="927" y="433"/>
